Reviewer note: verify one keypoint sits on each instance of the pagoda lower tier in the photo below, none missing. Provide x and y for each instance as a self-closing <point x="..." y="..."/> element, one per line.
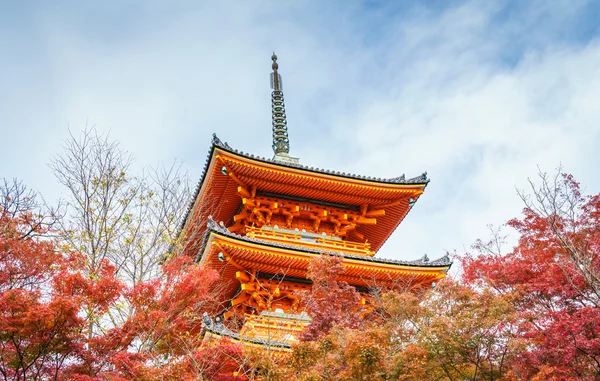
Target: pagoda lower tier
<point x="263" y="278"/>
<point x="269" y="331"/>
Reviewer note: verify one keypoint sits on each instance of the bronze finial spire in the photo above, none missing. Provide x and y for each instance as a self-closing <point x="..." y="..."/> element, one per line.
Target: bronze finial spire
<point x="281" y="142"/>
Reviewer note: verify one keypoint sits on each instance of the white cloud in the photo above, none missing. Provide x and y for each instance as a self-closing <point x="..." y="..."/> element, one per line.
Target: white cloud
<point x="476" y="101"/>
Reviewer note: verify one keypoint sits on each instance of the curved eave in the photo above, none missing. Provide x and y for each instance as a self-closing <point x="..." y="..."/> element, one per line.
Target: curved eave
<point x="421" y="179"/>
<point x="247" y="254"/>
<point x="303" y="183"/>
<point x="306" y="253"/>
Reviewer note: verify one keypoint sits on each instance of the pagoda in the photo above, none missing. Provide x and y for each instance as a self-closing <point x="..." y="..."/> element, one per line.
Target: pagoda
<point x="259" y="223"/>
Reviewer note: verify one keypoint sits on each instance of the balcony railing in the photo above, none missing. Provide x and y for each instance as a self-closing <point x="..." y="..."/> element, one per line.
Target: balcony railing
<point x="312" y="240"/>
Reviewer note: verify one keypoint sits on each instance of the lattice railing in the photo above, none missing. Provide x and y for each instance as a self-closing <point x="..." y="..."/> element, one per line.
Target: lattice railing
<point x="310" y="240"/>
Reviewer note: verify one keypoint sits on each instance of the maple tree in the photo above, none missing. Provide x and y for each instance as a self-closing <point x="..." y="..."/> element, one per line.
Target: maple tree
<point x="455" y="332"/>
<point x="164" y="332"/>
<point x="42" y="293"/>
<point x="330" y="302"/>
<point x="555" y="272"/>
<point x="47" y="297"/>
<point x="449" y="333"/>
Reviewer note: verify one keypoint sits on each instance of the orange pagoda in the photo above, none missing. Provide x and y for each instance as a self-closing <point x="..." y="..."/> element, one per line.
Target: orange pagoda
<point x="259" y="222"/>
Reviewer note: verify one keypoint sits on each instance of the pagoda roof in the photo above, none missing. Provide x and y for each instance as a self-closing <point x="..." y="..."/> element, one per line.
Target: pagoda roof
<point x="421" y="179"/>
<point x="296" y="180"/>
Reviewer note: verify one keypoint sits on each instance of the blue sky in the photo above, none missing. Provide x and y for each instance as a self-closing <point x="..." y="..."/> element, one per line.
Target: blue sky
<point x="477" y="93"/>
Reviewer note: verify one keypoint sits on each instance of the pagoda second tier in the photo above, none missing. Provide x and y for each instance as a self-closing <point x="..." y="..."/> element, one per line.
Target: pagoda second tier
<point x="265" y="275"/>
<point x="251" y="195"/>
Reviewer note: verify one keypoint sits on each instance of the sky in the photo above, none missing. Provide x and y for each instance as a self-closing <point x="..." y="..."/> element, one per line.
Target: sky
<point x="480" y="94"/>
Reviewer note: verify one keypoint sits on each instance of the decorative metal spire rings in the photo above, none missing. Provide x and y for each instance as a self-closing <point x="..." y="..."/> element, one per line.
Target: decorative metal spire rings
<point x="281" y="142"/>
